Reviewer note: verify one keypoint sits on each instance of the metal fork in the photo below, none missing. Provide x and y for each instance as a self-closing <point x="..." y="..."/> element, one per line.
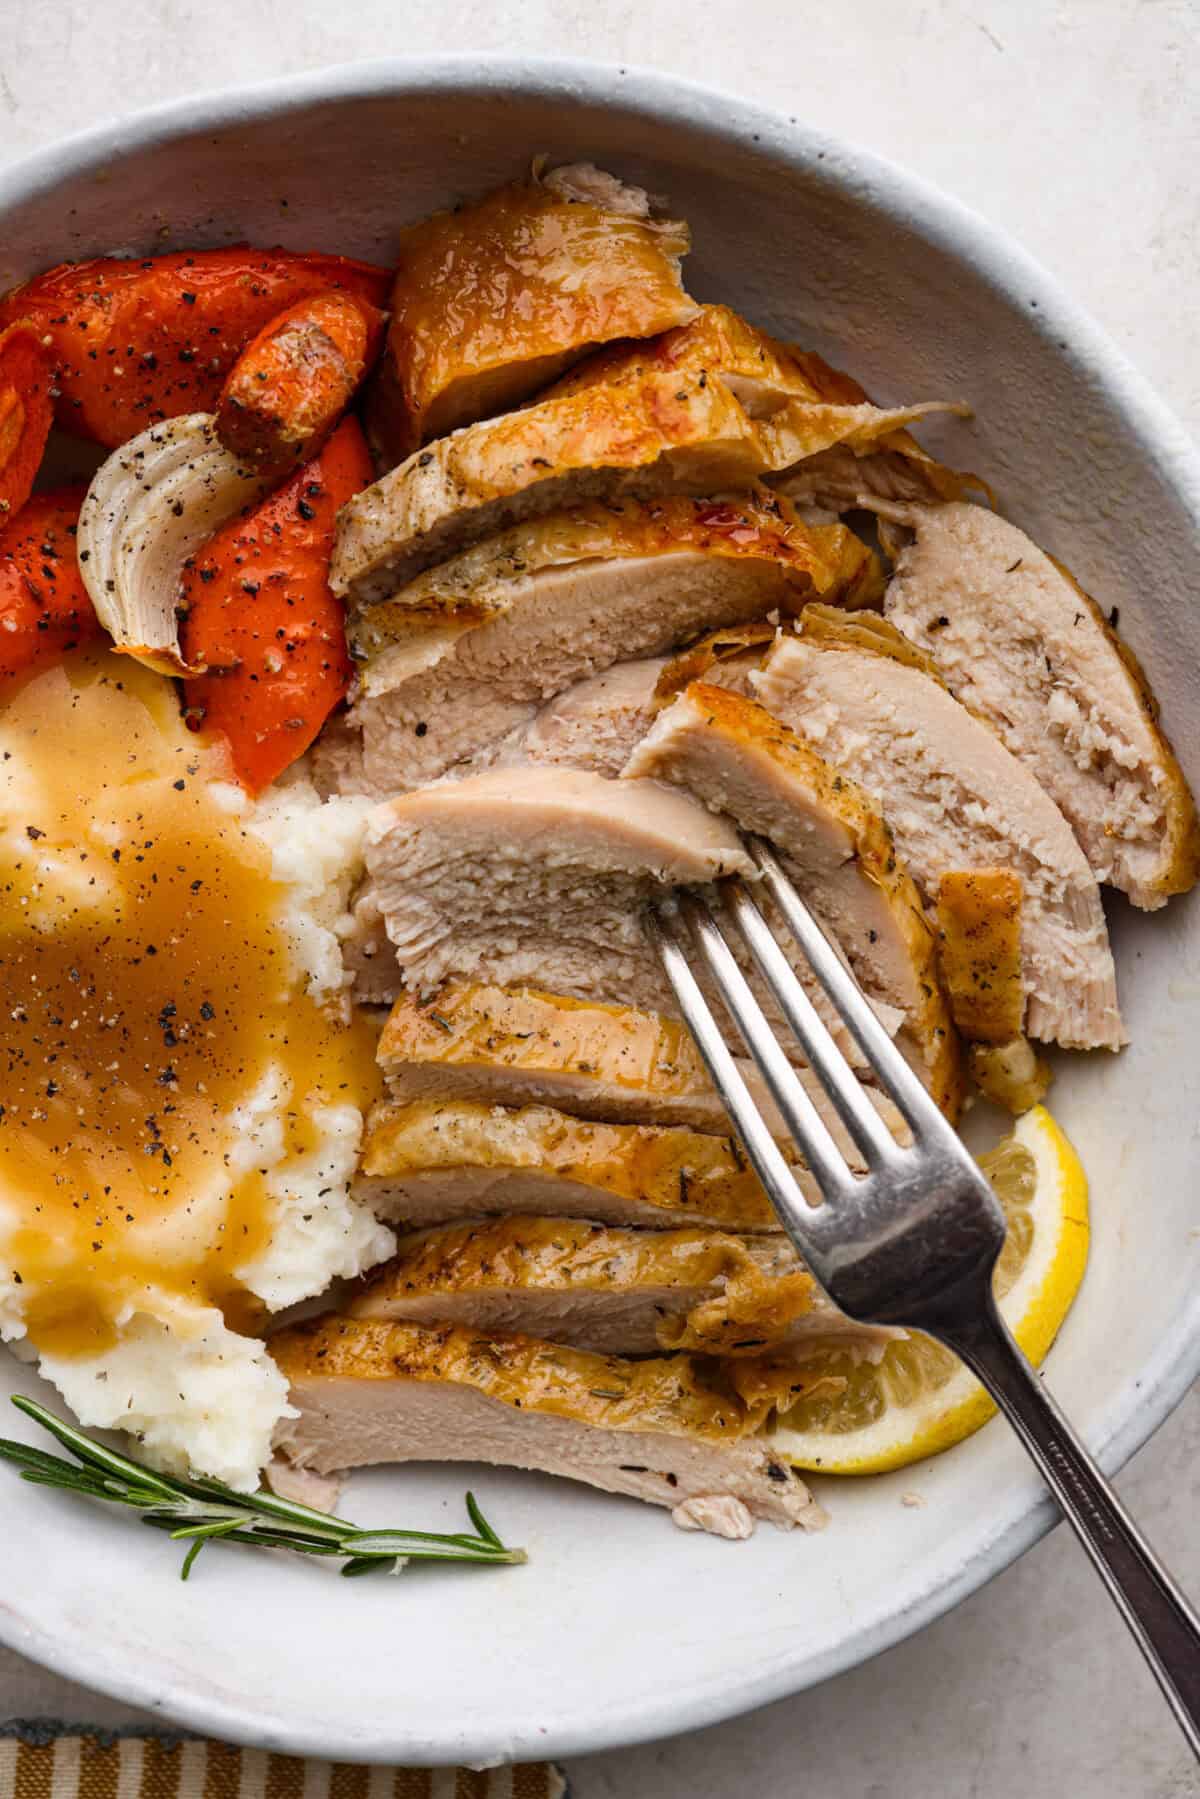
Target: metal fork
<point x="913" y="1240"/>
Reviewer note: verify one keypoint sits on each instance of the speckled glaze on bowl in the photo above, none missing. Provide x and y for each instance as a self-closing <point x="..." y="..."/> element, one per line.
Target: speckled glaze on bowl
<point x="621" y="1629"/>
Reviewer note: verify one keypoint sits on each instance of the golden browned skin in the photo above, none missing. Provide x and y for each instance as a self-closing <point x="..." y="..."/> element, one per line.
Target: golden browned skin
<point x="979" y="951"/>
<point x="470" y="1025"/>
<point x="978" y="913"/>
<point x="668" y="433"/>
<point x="664" y="1173"/>
<point x="720" y="341"/>
<point x="679" y="1395"/>
<point x="896" y="470"/>
<point x="896" y="458"/>
<point x="738" y="644"/>
<point x="717" y="340"/>
<point x="514" y="1047"/>
<point x="747" y="1300"/>
<point x="641" y="421"/>
<point x="494" y="299"/>
<point x="801" y="405"/>
<point x="757" y="1309"/>
<point x="858" y="577"/>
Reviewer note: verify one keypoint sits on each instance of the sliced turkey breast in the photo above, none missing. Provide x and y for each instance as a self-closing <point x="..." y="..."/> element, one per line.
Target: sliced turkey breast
<point x="493" y="299"/>
<point x="594" y="724"/>
<point x="466" y="652"/>
<point x="669" y="1430"/>
<point x="540" y="874"/>
<point x="632" y="425"/>
<point x="802" y="404"/>
<point x="335" y="761"/>
<point x="722" y="659"/>
<point x="1020" y="642"/>
<point x="522" y="1046"/>
<point x="433" y="1161"/>
<point x="955" y="799"/>
<point x="590" y="1285"/>
<point x="668" y="434"/>
<point x="838" y="480"/>
<point x="757" y="529"/>
<point x="616" y="1291"/>
<point x="598" y="724"/>
<point x="744" y="763"/>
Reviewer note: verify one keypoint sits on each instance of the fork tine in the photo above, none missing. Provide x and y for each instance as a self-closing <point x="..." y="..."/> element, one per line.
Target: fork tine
<point x="895" y="1075"/>
<point x="829" y="1167"/>
<point x="821" y="1051"/>
<point x="668" y="933"/>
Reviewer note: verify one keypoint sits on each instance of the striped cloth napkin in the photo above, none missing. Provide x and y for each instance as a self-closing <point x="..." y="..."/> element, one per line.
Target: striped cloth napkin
<point x="47" y="1761"/>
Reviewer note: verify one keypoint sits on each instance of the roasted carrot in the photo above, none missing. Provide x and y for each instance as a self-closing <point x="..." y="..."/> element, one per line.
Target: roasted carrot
<point x="26" y="412"/>
<point x="140" y="341"/>
<point x="44" y="606"/>
<point x="290" y="386"/>
<point x="258" y="615"/>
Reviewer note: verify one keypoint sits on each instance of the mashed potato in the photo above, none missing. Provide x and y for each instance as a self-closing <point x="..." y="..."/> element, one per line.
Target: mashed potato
<point x="181" y="1111"/>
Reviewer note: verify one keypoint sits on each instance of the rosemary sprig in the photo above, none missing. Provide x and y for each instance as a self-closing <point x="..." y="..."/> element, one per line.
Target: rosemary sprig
<point x="199" y="1512"/>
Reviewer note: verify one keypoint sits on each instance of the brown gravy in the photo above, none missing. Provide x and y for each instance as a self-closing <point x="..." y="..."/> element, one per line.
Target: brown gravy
<point x="146" y="987"/>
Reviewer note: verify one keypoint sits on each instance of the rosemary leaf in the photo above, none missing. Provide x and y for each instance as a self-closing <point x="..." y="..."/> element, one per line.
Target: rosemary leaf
<point x="480" y="1522"/>
<point x="256" y="1539"/>
<point x="371" y="1564"/>
<point x="92" y="1454"/>
<point x="190" y="1557"/>
<point x="269" y="1505"/>
<point x="395" y="1542"/>
<point x="219" y="1527"/>
<point x="505" y="1558"/>
<point x="199" y="1511"/>
<point x="27" y="1457"/>
<point x="37" y="1478"/>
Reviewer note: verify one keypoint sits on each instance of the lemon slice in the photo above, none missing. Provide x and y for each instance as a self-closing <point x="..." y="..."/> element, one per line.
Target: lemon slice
<point x="918" y="1398"/>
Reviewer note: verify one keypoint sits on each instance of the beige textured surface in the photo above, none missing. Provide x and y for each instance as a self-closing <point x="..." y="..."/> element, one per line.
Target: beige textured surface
<point x="1074" y="127"/>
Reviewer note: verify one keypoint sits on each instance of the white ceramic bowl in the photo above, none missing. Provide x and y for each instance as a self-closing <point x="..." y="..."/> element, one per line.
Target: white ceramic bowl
<point x="621" y="1628"/>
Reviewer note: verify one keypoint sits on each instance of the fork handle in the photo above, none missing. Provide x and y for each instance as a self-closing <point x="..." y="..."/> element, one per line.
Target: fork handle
<point x="1164" y="1625"/>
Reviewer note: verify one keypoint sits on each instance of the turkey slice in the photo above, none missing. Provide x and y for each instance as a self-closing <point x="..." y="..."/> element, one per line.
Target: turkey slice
<point x="672" y="1430"/>
<point x="955" y="799"/>
<point x="610" y="1289"/>
<point x="1020" y="643"/>
<point x="745" y="764"/>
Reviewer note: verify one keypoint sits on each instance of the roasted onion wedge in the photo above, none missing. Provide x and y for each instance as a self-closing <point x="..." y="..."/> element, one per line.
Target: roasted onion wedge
<point x="150" y="506"/>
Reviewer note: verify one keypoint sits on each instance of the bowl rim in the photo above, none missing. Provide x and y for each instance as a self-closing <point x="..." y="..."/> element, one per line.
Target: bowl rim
<point x="1150" y="1393"/>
